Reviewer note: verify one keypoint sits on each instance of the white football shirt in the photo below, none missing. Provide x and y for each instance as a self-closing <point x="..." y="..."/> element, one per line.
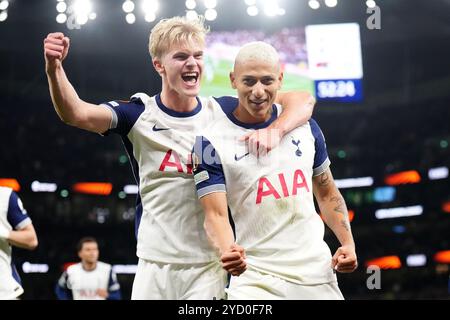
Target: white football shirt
<point x="12" y="216"/>
<point x="270" y="198"/>
<point x="159" y="141"/>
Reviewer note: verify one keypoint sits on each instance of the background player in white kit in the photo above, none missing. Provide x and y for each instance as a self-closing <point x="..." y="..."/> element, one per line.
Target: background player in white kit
<point x="89" y="279"/>
<point x="175" y="258"/>
<point x="16" y="229"/>
<point x="271" y="198"/>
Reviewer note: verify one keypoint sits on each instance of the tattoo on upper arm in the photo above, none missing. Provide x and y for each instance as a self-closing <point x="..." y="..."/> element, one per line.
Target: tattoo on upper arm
<point x="324" y="179"/>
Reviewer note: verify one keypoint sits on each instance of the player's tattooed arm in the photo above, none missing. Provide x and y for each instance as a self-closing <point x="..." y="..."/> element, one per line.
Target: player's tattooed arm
<point x="335" y="215"/>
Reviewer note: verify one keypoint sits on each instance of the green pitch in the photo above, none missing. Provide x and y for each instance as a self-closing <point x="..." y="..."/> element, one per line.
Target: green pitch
<point x="216" y="81"/>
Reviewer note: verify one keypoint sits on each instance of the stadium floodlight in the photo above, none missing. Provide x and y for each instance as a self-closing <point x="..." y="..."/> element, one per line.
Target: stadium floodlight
<point x="124" y="268"/>
<point x="371" y="4"/>
<point x="61" y="7"/>
<point x="4" y="5"/>
<point x="3" y="16"/>
<point x="354" y="182"/>
<point x="150" y="6"/>
<point x="131" y="18"/>
<point x="61" y="18"/>
<point x="314" y="4"/>
<point x="399" y="212"/>
<point x="331" y="3"/>
<point x="28" y="267"/>
<point x="150" y="17"/>
<point x="82" y="7"/>
<point x="82" y="19"/>
<point x="252" y="11"/>
<point x="250" y="2"/>
<point x="210" y="14"/>
<point x="131" y="189"/>
<point x="416" y="260"/>
<point x="438" y="173"/>
<point x="128" y="6"/>
<point x="210" y="4"/>
<point x="190" y="4"/>
<point x="191" y="15"/>
<point x="92" y="15"/>
<point x="271" y="8"/>
<point x="37" y="186"/>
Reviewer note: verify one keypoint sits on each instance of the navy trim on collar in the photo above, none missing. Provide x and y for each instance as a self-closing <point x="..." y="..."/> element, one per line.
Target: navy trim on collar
<point x="178" y="114"/>
<point x="229" y="104"/>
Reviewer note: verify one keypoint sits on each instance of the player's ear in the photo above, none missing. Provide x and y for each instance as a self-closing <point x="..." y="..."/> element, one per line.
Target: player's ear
<point x="280" y="80"/>
<point x="159" y="67"/>
<point x="233" y="80"/>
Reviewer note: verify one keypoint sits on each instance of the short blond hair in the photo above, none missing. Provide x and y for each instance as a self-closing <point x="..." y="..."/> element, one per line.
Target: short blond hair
<point x="174" y="31"/>
<point x="257" y="50"/>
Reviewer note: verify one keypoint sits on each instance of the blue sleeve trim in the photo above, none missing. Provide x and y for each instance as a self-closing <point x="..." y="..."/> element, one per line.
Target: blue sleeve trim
<point x="61" y="290"/>
<point x="113" y="287"/>
<point x="321" y="155"/>
<point x="16" y="212"/>
<point x="125" y="115"/>
<point x="208" y="169"/>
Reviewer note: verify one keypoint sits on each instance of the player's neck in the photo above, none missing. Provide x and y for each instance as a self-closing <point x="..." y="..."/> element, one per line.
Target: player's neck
<point x="89" y="266"/>
<point x="244" y="116"/>
<point x="180" y="103"/>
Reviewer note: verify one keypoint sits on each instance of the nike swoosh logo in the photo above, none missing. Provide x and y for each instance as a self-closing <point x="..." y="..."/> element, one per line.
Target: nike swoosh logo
<point x="159" y="129"/>
<point x="236" y="158"/>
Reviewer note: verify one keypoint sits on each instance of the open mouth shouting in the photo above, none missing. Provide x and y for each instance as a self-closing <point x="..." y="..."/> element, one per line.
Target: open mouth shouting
<point x="190" y="78"/>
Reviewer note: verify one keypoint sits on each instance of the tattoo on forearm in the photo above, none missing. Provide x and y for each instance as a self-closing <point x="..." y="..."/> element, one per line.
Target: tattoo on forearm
<point x="339" y="205"/>
<point x="341" y="208"/>
<point x="345" y="224"/>
<point x="324" y="179"/>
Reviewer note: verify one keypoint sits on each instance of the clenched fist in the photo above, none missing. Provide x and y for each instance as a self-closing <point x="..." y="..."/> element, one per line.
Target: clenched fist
<point x="56" y="47"/>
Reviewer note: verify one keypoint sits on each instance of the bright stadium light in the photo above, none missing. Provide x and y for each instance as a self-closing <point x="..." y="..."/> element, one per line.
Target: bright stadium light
<point x="314" y="4"/>
<point x="281" y="12"/>
<point x="210" y="14"/>
<point x="82" y="19"/>
<point x="61" y="18"/>
<point x="131" y="18"/>
<point x="92" y="15"/>
<point x="150" y="6"/>
<point x="82" y="7"/>
<point x="371" y="4"/>
<point x="210" y="4"/>
<point x="61" y="7"/>
<point x="3" y="16"/>
<point x="34" y="267"/>
<point x="150" y="17"/>
<point x="438" y="173"/>
<point x="250" y="2"/>
<point x="190" y="4"/>
<point x="331" y="3"/>
<point x="416" y="260"/>
<point x="252" y="11"/>
<point x="37" y="186"/>
<point x="399" y="212"/>
<point x="191" y="15"/>
<point x="128" y="6"/>
<point x="271" y="8"/>
<point x="4" y="5"/>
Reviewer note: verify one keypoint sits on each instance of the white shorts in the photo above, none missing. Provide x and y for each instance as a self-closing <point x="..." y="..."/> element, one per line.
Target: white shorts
<point x="253" y="285"/>
<point x="161" y="281"/>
